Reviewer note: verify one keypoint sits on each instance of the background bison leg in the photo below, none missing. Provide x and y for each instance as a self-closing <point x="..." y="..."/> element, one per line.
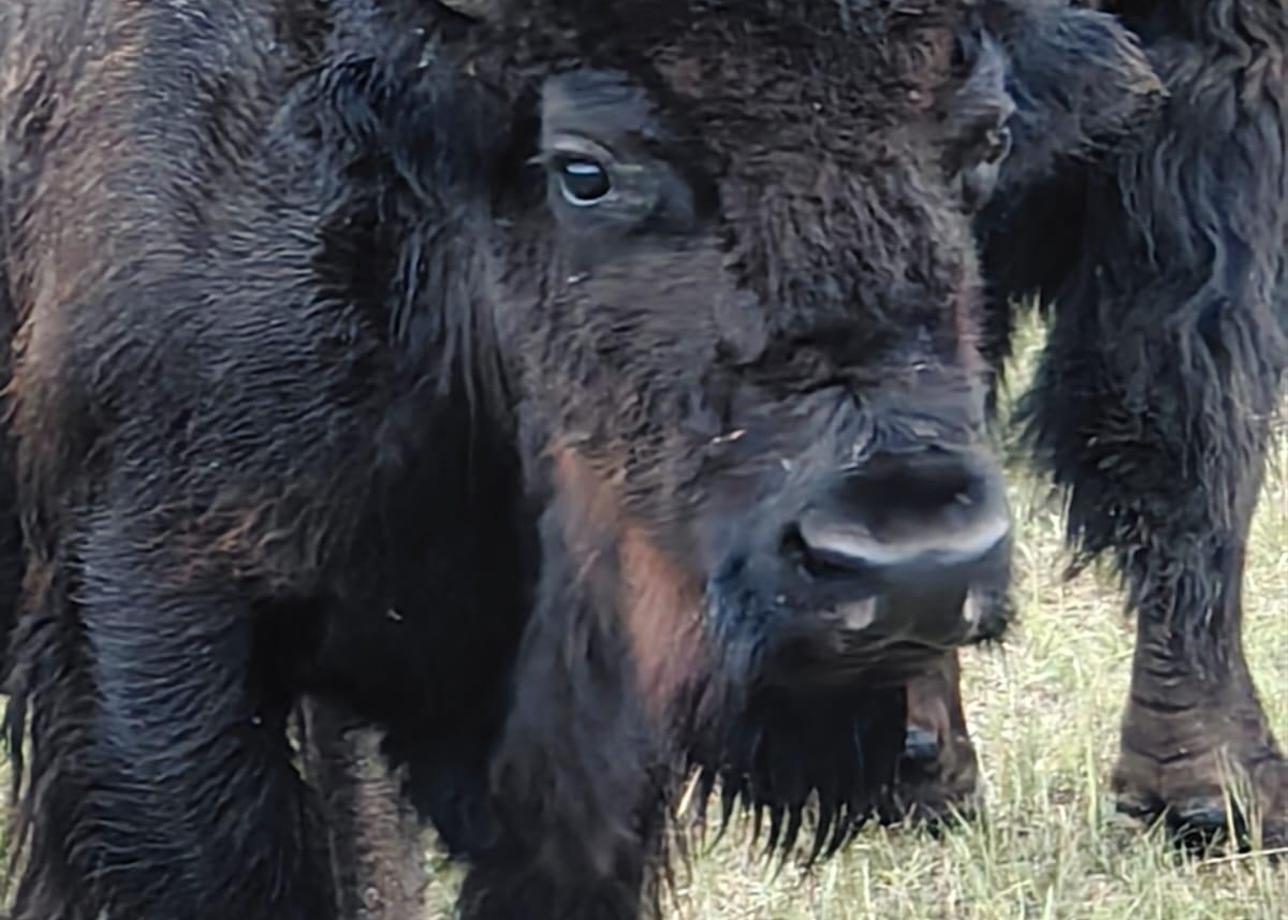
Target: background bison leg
<point x="1163" y="458"/>
<point x="374" y="835"/>
<point x="938" y="772"/>
<point x="1160" y="436"/>
<point x="1157" y="423"/>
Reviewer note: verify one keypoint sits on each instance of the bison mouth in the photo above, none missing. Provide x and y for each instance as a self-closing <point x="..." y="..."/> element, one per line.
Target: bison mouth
<point x="828" y="628"/>
<point x="848" y="646"/>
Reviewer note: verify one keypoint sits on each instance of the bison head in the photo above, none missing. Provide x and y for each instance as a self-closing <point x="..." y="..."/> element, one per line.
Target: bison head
<point x="727" y="251"/>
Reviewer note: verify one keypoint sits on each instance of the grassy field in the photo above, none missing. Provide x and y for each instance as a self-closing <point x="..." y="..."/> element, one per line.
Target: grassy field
<point x="1044" y="712"/>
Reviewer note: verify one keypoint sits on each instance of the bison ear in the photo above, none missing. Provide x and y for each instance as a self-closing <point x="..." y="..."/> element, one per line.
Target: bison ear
<point x="977" y="124"/>
<point x="1076" y="77"/>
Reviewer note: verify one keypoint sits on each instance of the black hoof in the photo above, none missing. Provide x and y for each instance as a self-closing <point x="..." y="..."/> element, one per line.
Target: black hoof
<point x="1196" y="827"/>
<point x="1202" y="825"/>
<point x="921" y="749"/>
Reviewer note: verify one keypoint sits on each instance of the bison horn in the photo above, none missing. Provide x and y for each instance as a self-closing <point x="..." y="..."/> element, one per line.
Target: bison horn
<point x="475" y="9"/>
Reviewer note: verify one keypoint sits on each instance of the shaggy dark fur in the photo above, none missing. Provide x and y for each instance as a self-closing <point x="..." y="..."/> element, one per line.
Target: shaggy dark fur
<point x="326" y="382"/>
<point x="1166" y="268"/>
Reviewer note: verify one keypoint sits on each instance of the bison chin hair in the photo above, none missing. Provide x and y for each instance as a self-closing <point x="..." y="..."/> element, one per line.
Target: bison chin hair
<point x="812" y="767"/>
<point x="801" y="763"/>
<point x="797" y="763"/>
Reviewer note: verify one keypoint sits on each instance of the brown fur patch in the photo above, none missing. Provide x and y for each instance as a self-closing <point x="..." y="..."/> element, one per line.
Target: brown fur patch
<point x="592" y="509"/>
<point x="657" y="602"/>
<point x="660" y="602"/>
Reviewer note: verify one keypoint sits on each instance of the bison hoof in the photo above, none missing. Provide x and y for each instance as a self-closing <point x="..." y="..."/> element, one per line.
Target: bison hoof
<point x="935" y="783"/>
<point x="1200" y="810"/>
<point x="921" y="750"/>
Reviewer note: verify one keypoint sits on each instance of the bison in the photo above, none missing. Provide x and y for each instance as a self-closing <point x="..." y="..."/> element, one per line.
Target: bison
<point x="1165" y="262"/>
<point x="576" y="391"/>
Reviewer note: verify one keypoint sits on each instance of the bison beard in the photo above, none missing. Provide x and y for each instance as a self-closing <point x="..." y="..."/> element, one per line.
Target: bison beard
<point x="577" y="396"/>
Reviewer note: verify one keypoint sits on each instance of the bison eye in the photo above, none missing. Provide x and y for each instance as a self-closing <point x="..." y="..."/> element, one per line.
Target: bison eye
<point x="582" y="181"/>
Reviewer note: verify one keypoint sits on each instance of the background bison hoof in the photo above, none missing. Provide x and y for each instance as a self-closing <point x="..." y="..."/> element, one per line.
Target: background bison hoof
<point x="936" y="781"/>
<point x="1246" y="813"/>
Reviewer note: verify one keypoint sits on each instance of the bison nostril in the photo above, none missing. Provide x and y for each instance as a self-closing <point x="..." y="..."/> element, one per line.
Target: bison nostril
<point x="815" y="562"/>
<point x="938" y="511"/>
<point x="849" y="543"/>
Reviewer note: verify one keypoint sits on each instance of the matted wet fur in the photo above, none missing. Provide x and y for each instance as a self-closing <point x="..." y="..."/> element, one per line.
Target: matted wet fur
<point x="575" y="394"/>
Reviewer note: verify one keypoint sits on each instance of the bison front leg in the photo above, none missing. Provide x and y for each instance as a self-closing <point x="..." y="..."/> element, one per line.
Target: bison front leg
<point x="374" y="834"/>
<point x="1196" y="739"/>
<point x="159" y="783"/>
<point x="938" y="773"/>
<point x="579" y="775"/>
<point x="1163" y="471"/>
<point x="1161" y="439"/>
<point x="1154" y="415"/>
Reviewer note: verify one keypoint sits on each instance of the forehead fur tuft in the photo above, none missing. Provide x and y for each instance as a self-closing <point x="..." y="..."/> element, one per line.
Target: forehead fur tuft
<point x="868" y="62"/>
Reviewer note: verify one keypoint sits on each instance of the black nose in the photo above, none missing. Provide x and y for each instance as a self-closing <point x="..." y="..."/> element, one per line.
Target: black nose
<point x="907" y="515"/>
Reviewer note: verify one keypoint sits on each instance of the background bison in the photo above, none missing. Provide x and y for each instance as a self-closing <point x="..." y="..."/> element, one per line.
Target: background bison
<point x="1167" y="267"/>
<point x="570" y="390"/>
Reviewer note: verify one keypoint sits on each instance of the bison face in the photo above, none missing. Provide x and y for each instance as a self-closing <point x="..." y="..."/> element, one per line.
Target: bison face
<point x="745" y="301"/>
<point x="758" y="333"/>
<point x="726" y="250"/>
<point x="741" y="282"/>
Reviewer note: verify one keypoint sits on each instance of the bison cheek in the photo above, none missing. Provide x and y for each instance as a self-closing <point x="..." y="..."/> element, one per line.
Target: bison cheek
<point x="657" y="601"/>
<point x="661" y="605"/>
